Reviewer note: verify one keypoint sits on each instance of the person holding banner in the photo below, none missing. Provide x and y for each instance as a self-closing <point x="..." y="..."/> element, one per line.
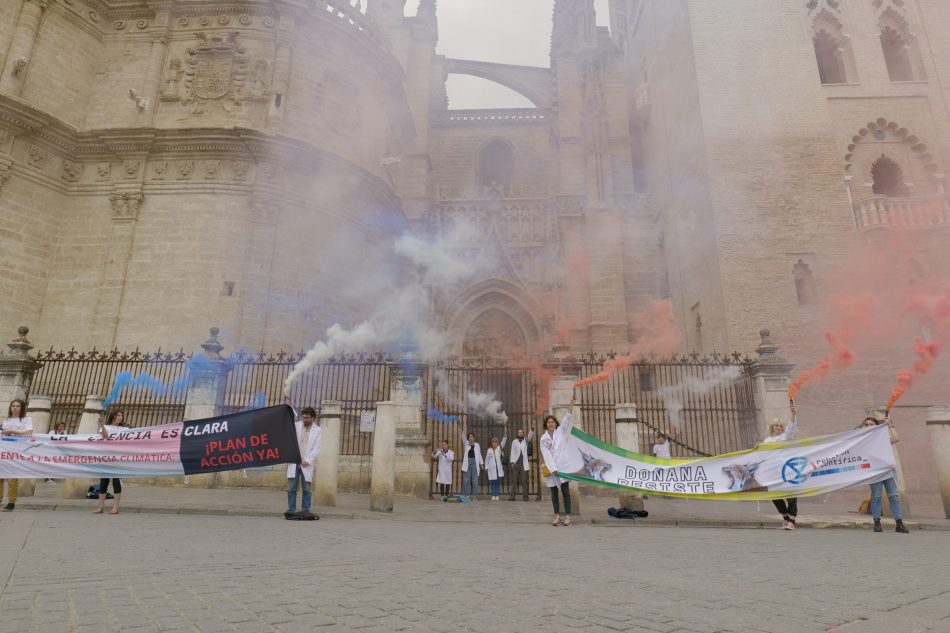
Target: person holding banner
<point x="890" y="484"/>
<point x="309" y="436"/>
<point x="553" y="444"/>
<point x="471" y="465"/>
<point x="115" y="422"/>
<point x="661" y="448"/>
<point x="15" y="425"/>
<point x="779" y="431"/>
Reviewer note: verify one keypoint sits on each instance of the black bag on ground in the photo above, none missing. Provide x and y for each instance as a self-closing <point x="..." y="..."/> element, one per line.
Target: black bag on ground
<point x="623" y="513"/>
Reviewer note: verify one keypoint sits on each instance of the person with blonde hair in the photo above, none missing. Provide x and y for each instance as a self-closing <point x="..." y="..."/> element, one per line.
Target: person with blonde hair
<point x="889" y="484"/>
<point x="780" y="431"/>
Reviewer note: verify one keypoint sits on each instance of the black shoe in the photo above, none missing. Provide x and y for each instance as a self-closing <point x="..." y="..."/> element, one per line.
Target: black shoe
<point x="8" y="508"/>
<point x="901" y="527"/>
<point x="877" y="525"/>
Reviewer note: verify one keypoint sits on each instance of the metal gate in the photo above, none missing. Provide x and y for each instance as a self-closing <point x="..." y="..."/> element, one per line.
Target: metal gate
<point x="448" y="414"/>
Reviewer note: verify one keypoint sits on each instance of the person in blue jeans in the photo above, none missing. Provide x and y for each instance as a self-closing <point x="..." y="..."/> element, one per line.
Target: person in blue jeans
<point x="889" y="485"/>
<point x="309" y="436"/>
<point x="472" y="463"/>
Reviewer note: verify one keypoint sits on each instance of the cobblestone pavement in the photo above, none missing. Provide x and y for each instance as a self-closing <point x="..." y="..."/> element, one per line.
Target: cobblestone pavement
<point x="78" y="572"/>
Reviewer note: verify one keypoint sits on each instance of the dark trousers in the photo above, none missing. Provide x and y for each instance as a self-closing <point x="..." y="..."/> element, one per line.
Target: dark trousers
<point x="519" y="481"/>
<point x="116" y="486"/>
<point x="787" y="507"/>
<point x="443" y="490"/>
<point x="566" y="491"/>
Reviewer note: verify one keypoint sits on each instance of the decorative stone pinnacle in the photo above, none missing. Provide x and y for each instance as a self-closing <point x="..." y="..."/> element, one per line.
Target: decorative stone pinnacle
<point x="20" y="346"/>
<point x="212" y="346"/>
<point x="768" y="361"/>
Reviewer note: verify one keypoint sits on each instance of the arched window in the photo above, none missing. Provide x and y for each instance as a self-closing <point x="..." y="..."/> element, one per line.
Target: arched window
<point x="805" y="284"/>
<point x="896" y="55"/>
<point x="831" y="68"/>
<point x="888" y="178"/>
<point x="496" y="164"/>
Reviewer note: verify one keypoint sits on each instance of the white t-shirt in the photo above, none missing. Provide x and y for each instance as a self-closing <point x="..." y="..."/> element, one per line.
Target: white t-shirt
<point x="18" y="424"/>
<point x="662" y="450"/>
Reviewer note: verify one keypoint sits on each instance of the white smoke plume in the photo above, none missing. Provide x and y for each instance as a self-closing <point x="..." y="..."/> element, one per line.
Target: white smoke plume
<point x="486" y="405"/>
<point x="400" y="311"/>
<point x="673" y="395"/>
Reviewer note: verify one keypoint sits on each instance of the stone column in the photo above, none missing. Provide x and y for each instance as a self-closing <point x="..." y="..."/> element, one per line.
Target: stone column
<point x="328" y="461"/>
<point x="207" y="380"/>
<point x="938" y="423"/>
<point x="21" y="46"/>
<point x="772" y="378"/>
<point x="153" y="76"/>
<point x="16" y="370"/>
<point x="878" y="414"/>
<point x="281" y="79"/>
<point x="88" y="424"/>
<point x="561" y="390"/>
<point x="628" y="437"/>
<point x="383" y="482"/>
<point x="411" y="463"/>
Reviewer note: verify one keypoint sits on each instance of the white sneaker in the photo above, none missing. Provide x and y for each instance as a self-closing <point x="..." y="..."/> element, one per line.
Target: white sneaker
<point x="791" y="525"/>
<point x="786" y="525"/>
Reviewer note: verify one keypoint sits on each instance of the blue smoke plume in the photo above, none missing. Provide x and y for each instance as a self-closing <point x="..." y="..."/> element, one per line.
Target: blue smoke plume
<point x="439" y="416"/>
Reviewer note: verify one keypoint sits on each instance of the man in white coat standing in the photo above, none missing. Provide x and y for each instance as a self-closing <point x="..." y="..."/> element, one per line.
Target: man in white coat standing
<point x="308" y="439"/>
<point x="520" y="452"/>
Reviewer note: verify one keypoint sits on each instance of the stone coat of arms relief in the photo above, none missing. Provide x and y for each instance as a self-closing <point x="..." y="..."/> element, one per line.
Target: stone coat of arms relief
<point x="218" y="68"/>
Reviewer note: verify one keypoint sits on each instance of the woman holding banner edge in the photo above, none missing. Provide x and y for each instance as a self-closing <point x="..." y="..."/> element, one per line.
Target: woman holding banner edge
<point x="889" y="484"/>
<point x="779" y="431"/>
<point x="115" y="422"/>
<point x="553" y="443"/>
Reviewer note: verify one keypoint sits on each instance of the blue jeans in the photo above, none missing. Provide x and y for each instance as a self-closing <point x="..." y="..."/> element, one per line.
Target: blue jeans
<point x="892" y="498"/>
<point x="292" y="492"/>
<point x="495" y="485"/>
<point x="470" y="479"/>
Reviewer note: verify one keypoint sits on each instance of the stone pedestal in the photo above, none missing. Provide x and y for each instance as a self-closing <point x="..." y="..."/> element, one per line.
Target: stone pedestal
<point x="16" y="371"/>
<point x="412" y="459"/>
<point x="628" y="438"/>
<point x="938" y="423"/>
<point x="207" y="380"/>
<point x="88" y="424"/>
<point x="771" y="376"/>
<point x="328" y="461"/>
<point x="382" y="484"/>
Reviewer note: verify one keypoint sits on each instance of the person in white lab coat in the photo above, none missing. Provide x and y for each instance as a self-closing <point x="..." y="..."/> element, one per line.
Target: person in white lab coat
<point x="308" y="439"/>
<point x="445" y="457"/>
<point x="519" y="462"/>
<point x="554" y="451"/>
<point x="472" y="464"/>
<point x="494" y="466"/>
<point x="779" y="431"/>
<point x="662" y="447"/>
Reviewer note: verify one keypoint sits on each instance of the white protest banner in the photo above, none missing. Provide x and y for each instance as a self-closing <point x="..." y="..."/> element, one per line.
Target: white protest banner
<point x="798" y="468"/>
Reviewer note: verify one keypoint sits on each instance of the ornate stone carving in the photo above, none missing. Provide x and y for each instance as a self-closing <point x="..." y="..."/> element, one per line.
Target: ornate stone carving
<point x="159" y="169"/>
<point x="239" y="170"/>
<point x="4" y="169"/>
<point x="211" y="169"/>
<point x="185" y="168"/>
<point x="125" y="204"/>
<point x="103" y="171"/>
<point x="338" y="101"/>
<point x="71" y="171"/>
<point x="37" y="156"/>
<point x="218" y="68"/>
<point x="131" y="167"/>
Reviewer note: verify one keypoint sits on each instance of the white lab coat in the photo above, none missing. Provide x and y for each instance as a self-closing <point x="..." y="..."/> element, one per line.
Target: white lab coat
<point x="662" y="449"/>
<point x="493" y="463"/>
<point x="519" y="448"/>
<point x="559" y="453"/>
<point x="791" y="432"/>
<point x="310" y="454"/>
<point x="479" y="462"/>
<point x="444" y="475"/>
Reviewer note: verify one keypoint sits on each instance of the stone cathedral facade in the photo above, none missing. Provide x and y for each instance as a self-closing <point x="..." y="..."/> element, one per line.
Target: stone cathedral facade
<point x="167" y="165"/>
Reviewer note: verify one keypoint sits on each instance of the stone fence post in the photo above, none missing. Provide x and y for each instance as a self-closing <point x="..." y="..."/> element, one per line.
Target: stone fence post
<point x="383" y="477"/>
<point x="16" y="371"/>
<point x="88" y="425"/>
<point x="207" y="379"/>
<point x="411" y="462"/>
<point x="772" y="377"/>
<point x="938" y="422"/>
<point x="328" y="461"/>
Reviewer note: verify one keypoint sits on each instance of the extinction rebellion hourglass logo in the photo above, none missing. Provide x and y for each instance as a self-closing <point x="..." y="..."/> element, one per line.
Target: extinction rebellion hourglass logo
<point x="795" y="470"/>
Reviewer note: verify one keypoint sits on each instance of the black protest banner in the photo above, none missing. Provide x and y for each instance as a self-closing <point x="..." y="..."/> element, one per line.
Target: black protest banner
<point x="262" y="437"/>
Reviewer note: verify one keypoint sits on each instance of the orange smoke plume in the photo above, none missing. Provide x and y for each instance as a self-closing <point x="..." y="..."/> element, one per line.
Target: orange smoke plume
<point x="657" y="335"/>
<point x="926" y="354"/>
